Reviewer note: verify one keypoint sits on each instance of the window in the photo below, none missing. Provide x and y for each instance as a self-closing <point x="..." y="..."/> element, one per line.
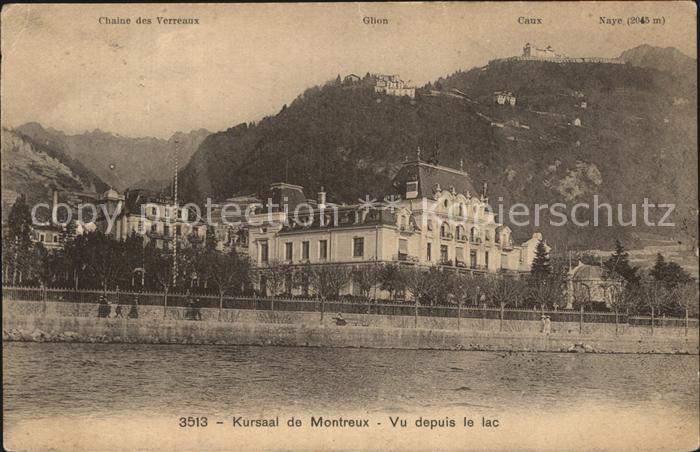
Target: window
<point x="444" y="230"/>
<point x="444" y="256"/>
<point x="154" y="227"/>
<point x="486" y="259"/>
<point x="430" y="225"/>
<point x="358" y="247"/>
<point x="263" y="252"/>
<point x="166" y="230"/>
<point x="288" y="251"/>
<point x="178" y="230"/>
<point x="154" y="211"/>
<point x="487" y="235"/>
<point x="323" y="249"/>
<point x="429" y="252"/>
<point x="55" y="238"/>
<point x="305" y="250"/>
<point x="459" y="254"/>
<point x="472" y="259"/>
<point x="403" y="246"/>
<point x="411" y="189"/>
<point x="461" y="210"/>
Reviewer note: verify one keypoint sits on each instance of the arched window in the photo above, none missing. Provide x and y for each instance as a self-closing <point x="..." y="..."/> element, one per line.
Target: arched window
<point x="461" y="210"/>
<point x="459" y="233"/>
<point x="444" y="229"/>
<point x="473" y="234"/>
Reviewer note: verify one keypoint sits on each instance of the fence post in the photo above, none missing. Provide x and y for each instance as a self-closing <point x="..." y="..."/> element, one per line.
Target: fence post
<point x="686" y="321"/>
<point x="323" y="307"/>
<point x="500" y="326"/>
<point x="415" y="314"/>
<point x="459" y="311"/>
<point x="616" y="323"/>
<point x="272" y="304"/>
<point x="165" y="302"/>
<point x="221" y="305"/>
<point x="652" y="320"/>
<point x="580" y="321"/>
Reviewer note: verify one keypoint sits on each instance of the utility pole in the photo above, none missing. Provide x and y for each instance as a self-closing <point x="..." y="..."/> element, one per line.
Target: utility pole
<point x="177" y="144"/>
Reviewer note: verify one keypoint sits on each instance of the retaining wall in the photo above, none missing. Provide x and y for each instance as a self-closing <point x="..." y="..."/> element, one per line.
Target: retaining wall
<point x="78" y="322"/>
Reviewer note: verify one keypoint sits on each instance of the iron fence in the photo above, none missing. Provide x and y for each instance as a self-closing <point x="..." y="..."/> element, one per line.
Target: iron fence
<point x="351" y="305"/>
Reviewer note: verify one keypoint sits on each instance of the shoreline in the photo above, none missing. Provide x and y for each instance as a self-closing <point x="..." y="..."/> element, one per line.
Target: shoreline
<point x="60" y="329"/>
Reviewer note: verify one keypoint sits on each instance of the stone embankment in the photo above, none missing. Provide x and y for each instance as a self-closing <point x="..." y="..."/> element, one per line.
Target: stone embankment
<point x="42" y="328"/>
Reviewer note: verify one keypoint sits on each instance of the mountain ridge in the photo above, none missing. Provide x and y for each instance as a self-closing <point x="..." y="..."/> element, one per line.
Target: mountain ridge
<point x="119" y="160"/>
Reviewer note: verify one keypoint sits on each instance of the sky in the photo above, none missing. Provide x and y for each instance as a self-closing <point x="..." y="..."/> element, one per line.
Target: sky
<point x="64" y="69"/>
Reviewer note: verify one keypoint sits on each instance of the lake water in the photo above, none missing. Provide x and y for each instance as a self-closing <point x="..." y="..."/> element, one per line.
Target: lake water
<point x="106" y="384"/>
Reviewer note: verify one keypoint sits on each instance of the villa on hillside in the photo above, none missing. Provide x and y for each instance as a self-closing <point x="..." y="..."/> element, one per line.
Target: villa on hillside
<point x="392" y="85"/>
<point x="504" y="98"/>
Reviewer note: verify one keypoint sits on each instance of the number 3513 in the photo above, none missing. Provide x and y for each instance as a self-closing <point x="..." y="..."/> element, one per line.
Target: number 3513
<point x="193" y="421"/>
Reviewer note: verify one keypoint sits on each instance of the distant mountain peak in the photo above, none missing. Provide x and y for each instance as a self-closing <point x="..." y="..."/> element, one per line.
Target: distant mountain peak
<point x="668" y="59"/>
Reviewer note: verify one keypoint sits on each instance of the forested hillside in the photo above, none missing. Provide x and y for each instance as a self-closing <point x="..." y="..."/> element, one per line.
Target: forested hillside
<point x="577" y="130"/>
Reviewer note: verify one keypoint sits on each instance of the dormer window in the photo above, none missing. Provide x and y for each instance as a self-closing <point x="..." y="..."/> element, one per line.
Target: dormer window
<point x="411" y="189"/>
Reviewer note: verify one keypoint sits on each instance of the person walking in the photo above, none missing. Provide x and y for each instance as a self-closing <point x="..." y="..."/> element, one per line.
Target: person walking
<point x="547" y="325"/>
<point x="103" y="309"/>
<point x="197" y="310"/>
<point x="118" y="311"/>
<point x="134" y="310"/>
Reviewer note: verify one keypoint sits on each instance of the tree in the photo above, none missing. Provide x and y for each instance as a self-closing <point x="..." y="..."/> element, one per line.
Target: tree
<point x="392" y="278"/>
<point x="19" y="240"/>
<point x="687" y="298"/>
<point x="545" y="292"/>
<point x="618" y="265"/>
<point x="276" y="275"/>
<point x="327" y="280"/>
<point x="104" y="258"/>
<point x="418" y="284"/>
<point x="541" y="267"/>
<point x="229" y="272"/>
<point x="505" y="291"/>
<point x="366" y="276"/>
<point x="669" y="274"/>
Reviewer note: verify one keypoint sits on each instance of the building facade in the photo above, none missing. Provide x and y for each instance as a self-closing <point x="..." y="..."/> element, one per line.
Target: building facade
<point x="392" y="85"/>
<point x="433" y="216"/>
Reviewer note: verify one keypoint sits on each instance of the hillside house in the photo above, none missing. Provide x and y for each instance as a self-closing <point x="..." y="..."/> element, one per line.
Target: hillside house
<point x="577" y="122"/>
<point x="351" y="79"/>
<point x="392" y="85"/>
<point x="504" y="98"/>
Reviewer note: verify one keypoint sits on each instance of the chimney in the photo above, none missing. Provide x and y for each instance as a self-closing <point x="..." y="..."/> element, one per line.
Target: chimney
<point x="322" y="198"/>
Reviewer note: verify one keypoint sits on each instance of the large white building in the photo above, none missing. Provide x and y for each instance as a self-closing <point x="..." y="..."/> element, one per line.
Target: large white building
<point x="435" y="218"/>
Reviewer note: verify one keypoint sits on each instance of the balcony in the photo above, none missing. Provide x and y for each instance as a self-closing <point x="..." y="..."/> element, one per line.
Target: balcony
<point x="404" y="257"/>
<point x="461" y="238"/>
<point x="447" y="236"/>
<point x="475" y="240"/>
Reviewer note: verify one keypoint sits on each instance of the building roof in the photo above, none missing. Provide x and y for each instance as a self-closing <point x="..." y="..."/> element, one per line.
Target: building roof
<point x="135" y="198"/>
<point x="348" y="217"/>
<point x="583" y="271"/>
<point x="429" y="176"/>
